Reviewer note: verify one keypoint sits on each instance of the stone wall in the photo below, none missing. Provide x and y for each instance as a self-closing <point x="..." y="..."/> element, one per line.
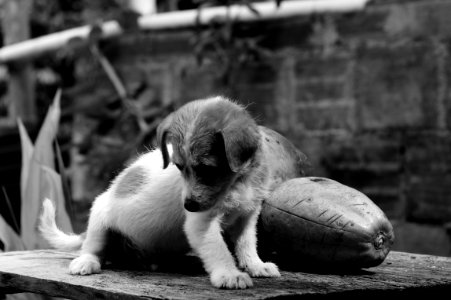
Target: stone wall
<point x="365" y="95"/>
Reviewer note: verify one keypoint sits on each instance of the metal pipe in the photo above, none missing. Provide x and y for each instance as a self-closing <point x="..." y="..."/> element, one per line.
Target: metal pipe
<point x="180" y="19"/>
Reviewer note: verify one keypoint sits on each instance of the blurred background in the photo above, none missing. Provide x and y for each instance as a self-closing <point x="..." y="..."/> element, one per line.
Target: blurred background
<point x="361" y="87"/>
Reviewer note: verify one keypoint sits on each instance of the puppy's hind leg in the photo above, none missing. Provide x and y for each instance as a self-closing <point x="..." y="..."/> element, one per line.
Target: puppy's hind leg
<point x="244" y="235"/>
<point x="89" y="260"/>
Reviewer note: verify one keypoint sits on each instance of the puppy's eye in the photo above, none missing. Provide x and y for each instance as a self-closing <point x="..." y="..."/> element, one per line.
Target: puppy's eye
<point x="205" y="171"/>
<point x="179" y="166"/>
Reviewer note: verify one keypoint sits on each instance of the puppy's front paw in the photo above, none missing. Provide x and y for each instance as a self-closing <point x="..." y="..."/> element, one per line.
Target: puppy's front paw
<point x="84" y="265"/>
<point x="262" y="269"/>
<point x="230" y="279"/>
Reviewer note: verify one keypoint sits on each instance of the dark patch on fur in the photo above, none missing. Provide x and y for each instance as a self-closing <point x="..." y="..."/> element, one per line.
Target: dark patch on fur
<point x="318" y="180"/>
<point x="231" y="122"/>
<point x="210" y="118"/>
<point x="131" y="182"/>
<point x="122" y="253"/>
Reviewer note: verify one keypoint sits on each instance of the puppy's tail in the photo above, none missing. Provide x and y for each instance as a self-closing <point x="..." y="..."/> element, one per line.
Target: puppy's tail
<point x="52" y="234"/>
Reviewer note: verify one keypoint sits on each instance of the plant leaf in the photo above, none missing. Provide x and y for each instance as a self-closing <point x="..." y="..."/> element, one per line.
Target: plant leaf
<point x="64" y="181"/>
<point x="9" y="237"/>
<point x="41" y="155"/>
<point x="43" y="146"/>
<point x="27" y="153"/>
<point x="30" y="205"/>
<point x="11" y="210"/>
<point x="252" y="9"/>
<point x="95" y="33"/>
<point x="128" y="19"/>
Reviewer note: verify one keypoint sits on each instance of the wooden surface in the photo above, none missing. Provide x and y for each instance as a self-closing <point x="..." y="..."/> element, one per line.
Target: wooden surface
<point x="46" y="272"/>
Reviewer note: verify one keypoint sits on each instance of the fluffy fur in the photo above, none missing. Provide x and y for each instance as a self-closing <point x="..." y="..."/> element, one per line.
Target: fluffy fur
<point x="223" y="167"/>
<point x="150" y="215"/>
<point x="56" y="238"/>
<point x="218" y="149"/>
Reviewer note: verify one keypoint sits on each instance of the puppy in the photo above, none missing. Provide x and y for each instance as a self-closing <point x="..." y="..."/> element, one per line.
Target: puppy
<point x="211" y="180"/>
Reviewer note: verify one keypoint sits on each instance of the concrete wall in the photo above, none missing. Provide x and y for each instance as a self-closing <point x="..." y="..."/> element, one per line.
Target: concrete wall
<point x="365" y="95"/>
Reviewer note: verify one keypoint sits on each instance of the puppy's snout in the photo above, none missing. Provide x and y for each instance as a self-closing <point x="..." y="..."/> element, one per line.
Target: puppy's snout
<point x="192" y="205"/>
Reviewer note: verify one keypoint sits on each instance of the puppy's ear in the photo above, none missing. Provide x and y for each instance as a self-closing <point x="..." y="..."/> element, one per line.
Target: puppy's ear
<point x="240" y="144"/>
<point x="162" y="132"/>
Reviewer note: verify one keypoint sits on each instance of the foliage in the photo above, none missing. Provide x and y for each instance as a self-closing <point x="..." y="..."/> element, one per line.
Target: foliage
<point x="221" y="43"/>
<point x="39" y="180"/>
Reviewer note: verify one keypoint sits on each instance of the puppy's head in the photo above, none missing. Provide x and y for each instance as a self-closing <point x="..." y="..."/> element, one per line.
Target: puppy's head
<point x="214" y="142"/>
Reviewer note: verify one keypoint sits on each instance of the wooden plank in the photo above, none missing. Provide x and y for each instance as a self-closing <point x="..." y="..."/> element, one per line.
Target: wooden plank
<point x="46" y="272"/>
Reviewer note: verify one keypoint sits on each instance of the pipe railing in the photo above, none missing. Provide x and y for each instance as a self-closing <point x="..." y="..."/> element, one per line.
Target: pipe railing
<point x="180" y="19"/>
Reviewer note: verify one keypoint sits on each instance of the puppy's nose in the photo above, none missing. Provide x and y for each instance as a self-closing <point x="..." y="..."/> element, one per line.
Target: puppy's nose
<point x="191" y="205"/>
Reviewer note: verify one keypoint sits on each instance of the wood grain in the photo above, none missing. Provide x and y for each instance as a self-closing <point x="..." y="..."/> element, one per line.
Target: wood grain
<point x="46" y="272"/>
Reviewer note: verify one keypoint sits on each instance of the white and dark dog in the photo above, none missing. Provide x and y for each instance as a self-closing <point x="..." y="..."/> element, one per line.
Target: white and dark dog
<point x="214" y="170"/>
